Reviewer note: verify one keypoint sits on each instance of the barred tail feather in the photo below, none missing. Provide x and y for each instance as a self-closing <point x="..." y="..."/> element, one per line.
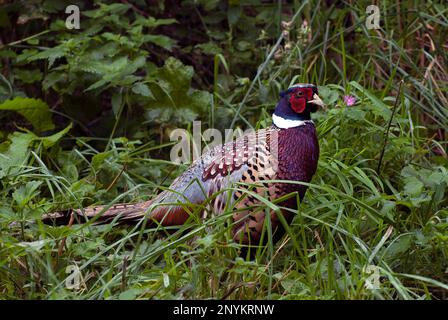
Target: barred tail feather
<point x="124" y="213"/>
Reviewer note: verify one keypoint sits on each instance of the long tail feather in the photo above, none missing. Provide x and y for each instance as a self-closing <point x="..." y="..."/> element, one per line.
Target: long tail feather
<point x="123" y="213"/>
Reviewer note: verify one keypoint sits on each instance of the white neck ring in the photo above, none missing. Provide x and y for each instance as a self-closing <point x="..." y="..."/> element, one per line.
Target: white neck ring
<point x="283" y="123"/>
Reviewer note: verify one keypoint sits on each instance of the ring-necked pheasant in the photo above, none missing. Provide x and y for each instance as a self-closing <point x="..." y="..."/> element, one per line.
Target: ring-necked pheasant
<point x="287" y="150"/>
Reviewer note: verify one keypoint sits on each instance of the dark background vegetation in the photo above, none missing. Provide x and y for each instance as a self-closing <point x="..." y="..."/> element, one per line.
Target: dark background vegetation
<point x="85" y="118"/>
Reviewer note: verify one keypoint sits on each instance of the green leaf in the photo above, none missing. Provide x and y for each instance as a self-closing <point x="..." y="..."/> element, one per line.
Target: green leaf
<point x="378" y="106"/>
<point x="33" y="246"/>
<point x="105" y="9"/>
<point x="99" y="159"/>
<point x="210" y="48"/>
<point x="327" y="95"/>
<point x="436" y="178"/>
<point x="35" y="111"/>
<point x="14" y="152"/>
<point x="97" y="84"/>
<point x="177" y="74"/>
<point x="51" y="140"/>
<point x="82" y="188"/>
<point x="413" y="186"/>
<point x="162" y="41"/>
<point x="142" y="89"/>
<point x="174" y="99"/>
<point x="355" y="114"/>
<point x="67" y="163"/>
<point x="118" y="72"/>
<point x="151" y="22"/>
<point x="130" y="294"/>
<point x="26" y="193"/>
<point x="243" y="45"/>
<point x="51" y="54"/>
<point x="399" y="246"/>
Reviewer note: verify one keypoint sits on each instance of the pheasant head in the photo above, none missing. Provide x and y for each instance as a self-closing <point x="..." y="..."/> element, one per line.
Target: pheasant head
<point x="296" y="104"/>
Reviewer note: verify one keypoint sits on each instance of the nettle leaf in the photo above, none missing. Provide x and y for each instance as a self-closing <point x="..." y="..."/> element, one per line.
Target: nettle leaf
<point x="97" y="84"/>
<point x="408" y="171"/>
<point x="163" y="115"/>
<point x="177" y="74"/>
<point x="436" y="177"/>
<point x="115" y="9"/>
<point x="51" y="54"/>
<point x="210" y="48"/>
<point x="116" y="66"/>
<point x="159" y="115"/>
<point x="152" y="22"/>
<point x="142" y="89"/>
<point x="355" y="114"/>
<point x="108" y="50"/>
<point x="25" y="55"/>
<point x="35" y="111"/>
<point x="67" y="161"/>
<point x="118" y="72"/>
<point x="15" y="152"/>
<point x="399" y="246"/>
<point x="429" y="177"/>
<point x="108" y="68"/>
<point x="293" y="283"/>
<point x="49" y="141"/>
<point x="162" y="41"/>
<point x="174" y="99"/>
<point x="52" y="79"/>
<point x="328" y="95"/>
<point x="26" y="193"/>
<point x="413" y="186"/>
<point x="388" y="208"/>
<point x="7" y="213"/>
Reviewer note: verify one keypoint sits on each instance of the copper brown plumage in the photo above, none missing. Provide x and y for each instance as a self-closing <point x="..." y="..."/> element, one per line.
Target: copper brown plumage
<point x="288" y="150"/>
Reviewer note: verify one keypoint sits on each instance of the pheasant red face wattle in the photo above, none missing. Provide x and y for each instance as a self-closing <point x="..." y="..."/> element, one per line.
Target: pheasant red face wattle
<point x="298" y="103"/>
<point x="299" y="98"/>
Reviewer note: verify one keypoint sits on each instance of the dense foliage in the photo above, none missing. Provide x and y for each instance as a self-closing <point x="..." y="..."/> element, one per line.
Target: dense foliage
<point x="86" y="116"/>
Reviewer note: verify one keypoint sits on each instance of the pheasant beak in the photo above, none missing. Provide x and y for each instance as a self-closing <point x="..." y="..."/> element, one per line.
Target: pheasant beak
<point x="317" y="101"/>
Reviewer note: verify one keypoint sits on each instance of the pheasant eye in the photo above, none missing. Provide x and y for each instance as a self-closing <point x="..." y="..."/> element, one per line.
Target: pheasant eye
<point x="299" y="93"/>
